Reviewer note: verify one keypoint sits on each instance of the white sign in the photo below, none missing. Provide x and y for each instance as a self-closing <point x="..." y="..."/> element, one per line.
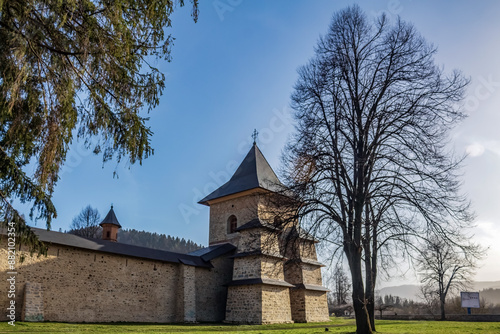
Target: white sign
<point x="470" y="299"/>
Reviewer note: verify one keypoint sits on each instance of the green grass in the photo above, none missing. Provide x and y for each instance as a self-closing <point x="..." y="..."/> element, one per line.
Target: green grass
<point x="334" y="326"/>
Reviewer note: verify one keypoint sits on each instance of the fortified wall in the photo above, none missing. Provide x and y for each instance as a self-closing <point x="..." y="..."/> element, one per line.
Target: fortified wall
<point x="73" y="284"/>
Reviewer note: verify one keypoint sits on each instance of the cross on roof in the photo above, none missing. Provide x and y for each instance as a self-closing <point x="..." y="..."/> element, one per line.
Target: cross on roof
<point x="254" y="135"/>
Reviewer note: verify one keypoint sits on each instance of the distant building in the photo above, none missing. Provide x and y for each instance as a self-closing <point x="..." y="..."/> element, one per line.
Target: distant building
<point x="246" y="274"/>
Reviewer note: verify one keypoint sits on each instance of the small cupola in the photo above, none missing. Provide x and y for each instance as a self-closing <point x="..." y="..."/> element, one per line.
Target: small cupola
<point x="110" y="226"/>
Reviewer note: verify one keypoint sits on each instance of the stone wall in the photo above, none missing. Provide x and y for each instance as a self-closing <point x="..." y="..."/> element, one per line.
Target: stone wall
<point x="258" y="266"/>
<point x="316" y="306"/>
<point x="211" y="290"/>
<point x="275" y="304"/>
<point x="80" y="285"/>
<point x="293" y="272"/>
<point x="272" y="267"/>
<point x="308" y="250"/>
<point x="246" y="267"/>
<point x="33" y="302"/>
<point x="298" y="305"/>
<point x="249" y="240"/>
<point x="244" y="304"/>
<point x="186" y="294"/>
<point x="270" y="243"/>
<point x="308" y="305"/>
<point x="244" y="208"/>
<point x="311" y="274"/>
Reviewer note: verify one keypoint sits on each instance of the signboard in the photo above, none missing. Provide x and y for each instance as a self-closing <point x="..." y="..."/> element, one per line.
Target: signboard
<point x="470" y="299"/>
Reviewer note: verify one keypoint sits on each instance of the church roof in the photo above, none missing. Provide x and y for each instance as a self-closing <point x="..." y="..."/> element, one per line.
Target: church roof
<point x="111" y="218"/>
<point x="256" y="223"/>
<point x="105" y="246"/>
<point x="212" y="252"/>
<point x="253" y="172"/>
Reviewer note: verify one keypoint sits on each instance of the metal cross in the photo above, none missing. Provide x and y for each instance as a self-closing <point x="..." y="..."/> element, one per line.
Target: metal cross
<point x="254" y="135"/>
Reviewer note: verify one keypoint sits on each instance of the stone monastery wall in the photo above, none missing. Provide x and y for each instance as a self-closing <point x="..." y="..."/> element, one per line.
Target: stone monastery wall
<point x="81" y="285"/>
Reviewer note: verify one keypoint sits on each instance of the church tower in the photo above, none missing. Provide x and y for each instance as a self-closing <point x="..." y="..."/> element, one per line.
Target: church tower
<point x="261" y="287"/>
<point x="110" y="226"/>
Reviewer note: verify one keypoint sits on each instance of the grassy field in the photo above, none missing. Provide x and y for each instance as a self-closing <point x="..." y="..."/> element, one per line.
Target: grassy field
<point x="334" y="326"/>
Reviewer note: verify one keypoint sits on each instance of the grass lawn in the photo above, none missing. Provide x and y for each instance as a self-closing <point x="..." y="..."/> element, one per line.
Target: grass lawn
<point x="334" y="326"/>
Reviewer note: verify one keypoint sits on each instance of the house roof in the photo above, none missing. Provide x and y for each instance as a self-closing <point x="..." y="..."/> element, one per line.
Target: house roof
<point x="253" y="172"/>
<point x="111" y="218"/>
<point x="66" y="239"/>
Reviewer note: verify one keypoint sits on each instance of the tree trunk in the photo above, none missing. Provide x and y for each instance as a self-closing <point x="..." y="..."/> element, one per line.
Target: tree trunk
<point x="443" y="315"/>
<point x="370" y="288"/>
<point x="370" y="268"/>
<point x="363" y="325"/>
<point x="370" y="305"/>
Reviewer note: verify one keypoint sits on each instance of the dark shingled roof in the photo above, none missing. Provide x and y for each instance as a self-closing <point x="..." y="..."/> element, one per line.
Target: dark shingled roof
<point x="258" y="253"/>
<point x="66" y="239"/>
<point x="111" y="218"/>
<point x="256" y="223"/>
<point x="254" y="172"/>
<point x="214" y="251"/>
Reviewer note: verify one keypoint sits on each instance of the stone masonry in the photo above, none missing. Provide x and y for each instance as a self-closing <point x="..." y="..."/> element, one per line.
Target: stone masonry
<point x="79" y="285"/>
<point x="248" y="274"/>
<point x="33" y="302"/>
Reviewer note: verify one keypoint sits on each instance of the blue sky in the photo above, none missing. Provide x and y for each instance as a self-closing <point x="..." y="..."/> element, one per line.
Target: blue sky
<point x="234" y="70"/>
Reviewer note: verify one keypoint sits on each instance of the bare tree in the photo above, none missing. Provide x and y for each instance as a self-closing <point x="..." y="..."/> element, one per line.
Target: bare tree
<point x="368" y="163"/>
<point x="86" y="224"/>
<point x="341" y="287"/>
<point x="445" y="269"/>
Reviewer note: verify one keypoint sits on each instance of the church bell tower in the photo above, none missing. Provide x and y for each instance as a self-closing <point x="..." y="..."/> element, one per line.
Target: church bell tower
<point x="268" y="285"/>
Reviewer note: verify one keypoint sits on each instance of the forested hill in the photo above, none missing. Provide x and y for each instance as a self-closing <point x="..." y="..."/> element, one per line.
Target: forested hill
<point x="156" y="241"/>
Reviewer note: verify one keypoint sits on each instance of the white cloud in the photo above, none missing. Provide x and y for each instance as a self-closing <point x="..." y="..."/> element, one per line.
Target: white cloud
<point x="474" y="150"/>
<point x="479" y="147"/>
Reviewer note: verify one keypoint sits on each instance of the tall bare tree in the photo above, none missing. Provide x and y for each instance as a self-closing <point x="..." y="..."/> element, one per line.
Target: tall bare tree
<point x="369" y="163"/>
<point x="86" y="224"/>
<point x="341" y="285"/>
<point x="445" y="269"/>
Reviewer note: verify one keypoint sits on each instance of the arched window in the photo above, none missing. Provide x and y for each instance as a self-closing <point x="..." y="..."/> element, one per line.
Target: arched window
<point x="231" y="224"/>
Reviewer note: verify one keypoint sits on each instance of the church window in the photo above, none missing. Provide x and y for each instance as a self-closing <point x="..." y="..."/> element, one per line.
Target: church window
<point x="232" y="224"/>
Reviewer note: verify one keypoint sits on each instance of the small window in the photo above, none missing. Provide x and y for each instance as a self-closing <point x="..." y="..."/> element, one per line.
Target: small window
<point x="108" y="234"/>
<point x="232" y="223"/>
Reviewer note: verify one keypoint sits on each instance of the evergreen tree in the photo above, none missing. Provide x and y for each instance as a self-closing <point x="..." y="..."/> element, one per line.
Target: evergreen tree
<point x="67" y="65"/>
<point x="156" y="241"/>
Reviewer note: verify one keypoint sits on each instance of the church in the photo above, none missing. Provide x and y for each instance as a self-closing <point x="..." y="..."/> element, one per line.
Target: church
<point x="247" y="274"/>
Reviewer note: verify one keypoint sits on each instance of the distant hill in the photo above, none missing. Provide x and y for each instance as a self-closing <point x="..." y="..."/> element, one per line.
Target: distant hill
<point x="490" y="291"/>
<point x="478" y="286"/>
<point x="408" y="291"/>
<point x="156" y="241"/>
<point x="148" y="239"/>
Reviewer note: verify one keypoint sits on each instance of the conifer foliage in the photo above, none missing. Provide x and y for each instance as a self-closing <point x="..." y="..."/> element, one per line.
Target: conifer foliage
<point x="157" y="241"/>
<point x="74" y="68"/>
